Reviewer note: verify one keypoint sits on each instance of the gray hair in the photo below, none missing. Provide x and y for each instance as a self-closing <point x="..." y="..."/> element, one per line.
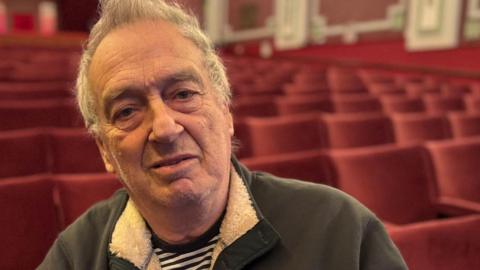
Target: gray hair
<point x="116" y="13"/>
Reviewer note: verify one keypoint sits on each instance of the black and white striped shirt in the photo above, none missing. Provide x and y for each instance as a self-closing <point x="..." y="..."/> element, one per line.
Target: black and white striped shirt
<point x="200" y="258"/>
<point x="192" y="256"/>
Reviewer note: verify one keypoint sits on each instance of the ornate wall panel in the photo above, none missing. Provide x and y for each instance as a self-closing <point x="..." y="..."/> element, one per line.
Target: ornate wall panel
<point x="472" y="20"/>
<point x="433" y="24"/>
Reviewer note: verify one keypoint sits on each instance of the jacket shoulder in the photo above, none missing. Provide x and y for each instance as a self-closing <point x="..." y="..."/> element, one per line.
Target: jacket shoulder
<point x="311" y="196"/>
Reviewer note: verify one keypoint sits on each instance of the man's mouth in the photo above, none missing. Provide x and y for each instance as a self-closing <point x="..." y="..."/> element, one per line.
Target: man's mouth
<point x="171" y="161"/>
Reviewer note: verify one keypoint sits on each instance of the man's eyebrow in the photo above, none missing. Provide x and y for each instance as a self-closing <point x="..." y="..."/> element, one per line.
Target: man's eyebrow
<point x="181" y="76"/>
<point x="118" y="94"/>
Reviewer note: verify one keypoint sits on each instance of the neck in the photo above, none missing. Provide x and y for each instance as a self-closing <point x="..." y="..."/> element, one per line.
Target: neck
<point x="185" y="222"/>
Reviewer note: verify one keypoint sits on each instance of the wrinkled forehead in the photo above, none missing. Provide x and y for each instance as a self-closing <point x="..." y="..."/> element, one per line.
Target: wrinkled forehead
<point x="144" y="38"/>
<point x="145" y="45"/>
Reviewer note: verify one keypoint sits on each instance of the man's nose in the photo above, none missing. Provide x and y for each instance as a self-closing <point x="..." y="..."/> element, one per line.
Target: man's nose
<point x="165" y="128"/>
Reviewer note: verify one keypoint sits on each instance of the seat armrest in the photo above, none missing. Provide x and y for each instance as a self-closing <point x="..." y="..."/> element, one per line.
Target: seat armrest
<point x="450" y="206"/>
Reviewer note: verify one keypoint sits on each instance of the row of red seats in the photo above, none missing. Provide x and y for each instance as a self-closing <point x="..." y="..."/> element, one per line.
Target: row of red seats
<point x="11" y="91"/>
<point x="274" y="135"/>
<point x="402" y="184"/>
<point x="38" y="64"/>
<point x="353" y="103"/>
<point x="294" y="78"/>
<point x="39" y="151"/>
<point x="21" y="114"/>
<point x="389" y="180"/>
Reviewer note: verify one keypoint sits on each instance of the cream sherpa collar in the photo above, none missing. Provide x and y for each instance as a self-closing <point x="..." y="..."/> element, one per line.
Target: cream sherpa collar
<point x="131" y="239"/>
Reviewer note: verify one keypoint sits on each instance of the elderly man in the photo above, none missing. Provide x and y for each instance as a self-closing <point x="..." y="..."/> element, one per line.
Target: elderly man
<point x="155" y="96"/>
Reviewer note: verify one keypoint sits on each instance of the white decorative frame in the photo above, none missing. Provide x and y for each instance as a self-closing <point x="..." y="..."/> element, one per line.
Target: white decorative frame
<point x="442" y="36"/>
<point x="472" y="21"/>
<point x="320" y="31"/>
<point x="292" y="24"/>
<point x="473" y="9"/>
<point x="218" y="28"/>
<point x="229" y="35"/>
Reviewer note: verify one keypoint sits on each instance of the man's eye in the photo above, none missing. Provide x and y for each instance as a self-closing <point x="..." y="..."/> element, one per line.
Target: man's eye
<point x="184" y="94"/>
<point x="124" y="113"/>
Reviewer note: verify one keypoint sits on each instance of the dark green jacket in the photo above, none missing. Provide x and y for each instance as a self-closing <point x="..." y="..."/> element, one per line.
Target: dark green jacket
<point x="301" y="226"/>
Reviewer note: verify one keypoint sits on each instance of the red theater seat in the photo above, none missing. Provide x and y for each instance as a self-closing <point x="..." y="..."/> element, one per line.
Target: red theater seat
<point x="315" y="88"/>
<point x="77" y="192"/>
<point x="419" y="89"/>
<point x="276" y="135"/>
<point x="419" y="127"/>
<point x="472" y="102"/>
<point x="28" y="221"/>
<point x="74" y="151"/>
<point x="392" y="181"/>
<point x="35" y="90"/>
<point x="306" y="165"/>
<point x="254" y="107"/>
<point x="456" y="164"/>
<point x="38" y="113"/>
<point x="356" y="103"/>
<point x="303" y="104"/>
<point x="354" y="130"/>
<point x="443" y="104"/>
<point x="464" y="124"/>
<point x="401" y="104"/>
<point x="385" y="89"/>
<point x="446" y="245"/>
<point x="455" y="90"/>
<point x="344" y="81"/>
<point x="23" y="152"/>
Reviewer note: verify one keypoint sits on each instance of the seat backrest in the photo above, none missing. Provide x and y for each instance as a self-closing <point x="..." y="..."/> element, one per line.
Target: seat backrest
<point x="28" y="220"/>
<point x="464" y="124"/>
<point x="344" y="80"/>
<point x="78" y="192"/>
<point x="38" y="113"/>
<point x="446" y="244"/>
<point x="355" y="130"/>
<point x="74" y="151"/>
<point x="303" y="104"/>
<point x="419" y="127"/>
<point x="441" y="104"/>
<point x="356" y="103"/>
<point x="34" y="90"/>
<point x="284" y="134"/>
<point x="401" y="104"/>
<point x="259" y="107"/>
<point x="456" y="165"/>
<point x="394" y="182"/>
<point x="306" y="165"/>
<point x="472" y="102"/>
<point x="24" y="152"/>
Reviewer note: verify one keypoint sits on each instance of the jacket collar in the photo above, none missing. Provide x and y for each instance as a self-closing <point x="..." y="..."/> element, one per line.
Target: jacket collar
<point x="243" y="230"/>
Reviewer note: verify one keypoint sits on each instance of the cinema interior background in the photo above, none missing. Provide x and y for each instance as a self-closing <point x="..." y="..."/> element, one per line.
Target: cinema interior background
<point x="378" y="98"/>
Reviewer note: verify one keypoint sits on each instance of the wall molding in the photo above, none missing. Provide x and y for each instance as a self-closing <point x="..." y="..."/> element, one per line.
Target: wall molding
<point x="230" y="35"/>
<point x="320" y="30"/>
<point x="433" y="25"/>
<point x="473" y="9"/>
<point x="267" y="31"/>
<point x="472" y="21"/>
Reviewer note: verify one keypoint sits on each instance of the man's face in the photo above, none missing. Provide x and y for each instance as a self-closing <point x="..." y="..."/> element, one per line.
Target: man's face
<point x="163" y="130"/>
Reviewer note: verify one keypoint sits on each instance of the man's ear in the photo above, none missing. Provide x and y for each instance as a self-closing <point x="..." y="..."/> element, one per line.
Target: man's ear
<point x="105" y="157"/>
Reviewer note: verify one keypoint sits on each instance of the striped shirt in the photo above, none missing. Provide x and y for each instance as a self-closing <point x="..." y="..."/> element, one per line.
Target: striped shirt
<point x="192" y="256"/>
<point x="200" y="258"/>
